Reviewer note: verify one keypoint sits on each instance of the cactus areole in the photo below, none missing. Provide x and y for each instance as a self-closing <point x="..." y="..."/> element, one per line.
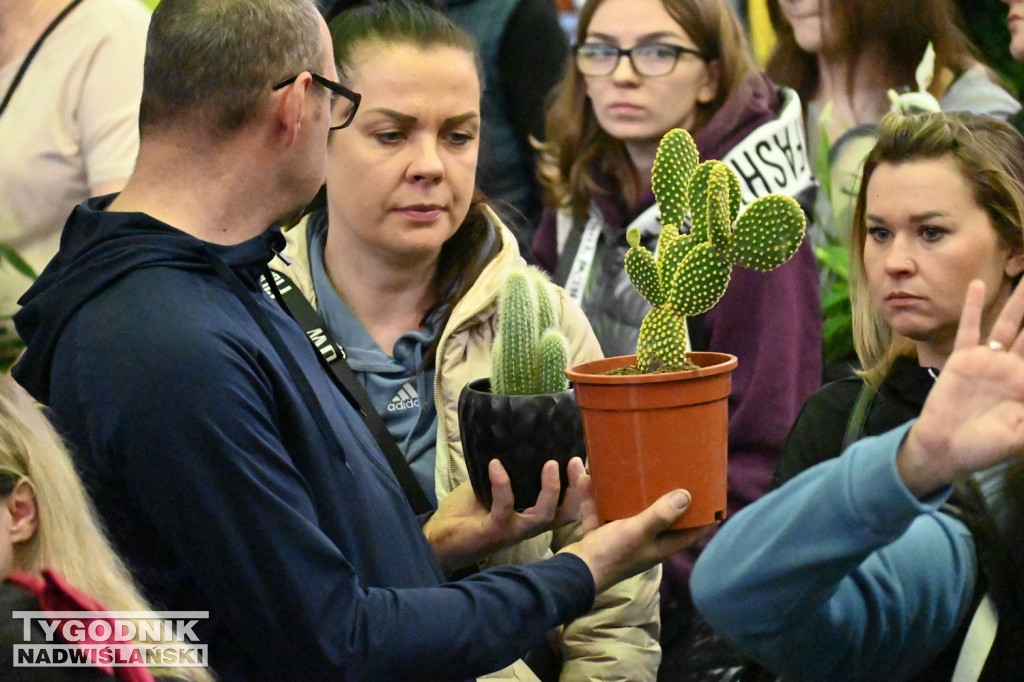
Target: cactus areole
<point x="690" y="272"/>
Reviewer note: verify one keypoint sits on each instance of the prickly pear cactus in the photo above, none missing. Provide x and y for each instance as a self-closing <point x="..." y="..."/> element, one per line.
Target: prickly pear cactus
<point x="530" y="353"/>
<point x="691" y="271"/>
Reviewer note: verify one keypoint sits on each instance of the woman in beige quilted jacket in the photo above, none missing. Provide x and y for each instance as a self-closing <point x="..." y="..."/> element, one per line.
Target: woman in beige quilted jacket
<point x="403" y="267"/>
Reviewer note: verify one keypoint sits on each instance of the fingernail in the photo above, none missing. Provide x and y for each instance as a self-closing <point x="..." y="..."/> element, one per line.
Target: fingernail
<point x="680" y="499"/>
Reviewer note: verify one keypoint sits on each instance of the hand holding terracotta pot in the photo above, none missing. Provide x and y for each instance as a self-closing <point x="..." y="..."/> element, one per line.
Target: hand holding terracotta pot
<point x="621" y="549"/>
<point x="648" y="434"/>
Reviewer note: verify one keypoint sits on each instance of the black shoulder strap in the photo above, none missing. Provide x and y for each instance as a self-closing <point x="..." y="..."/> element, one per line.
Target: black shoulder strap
<point x="569" y="250"/>
<point x="33" y="50"/>
<point x="859" y="415"/>
<point x="332" y="357"/>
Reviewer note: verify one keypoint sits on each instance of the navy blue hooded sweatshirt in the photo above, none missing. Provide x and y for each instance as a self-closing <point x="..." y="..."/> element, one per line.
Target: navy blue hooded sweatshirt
<point x="223" y="492"/>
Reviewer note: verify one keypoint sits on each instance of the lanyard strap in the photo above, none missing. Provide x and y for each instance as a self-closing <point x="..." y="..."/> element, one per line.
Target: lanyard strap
<point x="584" y="243"/>
<point x="267" y="327"/>
<point x="580" y="249"/>
<point x="32" y="53"/>
<point x="332" y="357"/>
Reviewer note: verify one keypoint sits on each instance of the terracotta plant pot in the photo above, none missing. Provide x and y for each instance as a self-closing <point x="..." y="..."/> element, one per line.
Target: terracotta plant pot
<point x="648" y="434"/>
<point x="522" y="432"/>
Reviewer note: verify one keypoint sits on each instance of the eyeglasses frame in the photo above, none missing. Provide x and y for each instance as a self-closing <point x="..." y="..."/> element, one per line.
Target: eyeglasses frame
<point x="680" y="51"/>
<point x="337" y="88"/>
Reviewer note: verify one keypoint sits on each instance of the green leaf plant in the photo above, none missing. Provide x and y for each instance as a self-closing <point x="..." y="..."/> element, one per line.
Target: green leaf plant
<point x="530" y="353"/>
<point x="691" y="271"/>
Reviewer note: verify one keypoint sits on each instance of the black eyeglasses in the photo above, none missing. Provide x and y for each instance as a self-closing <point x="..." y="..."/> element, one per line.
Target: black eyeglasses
<point x="652" y="59"/>
<point x="341" y="116"/>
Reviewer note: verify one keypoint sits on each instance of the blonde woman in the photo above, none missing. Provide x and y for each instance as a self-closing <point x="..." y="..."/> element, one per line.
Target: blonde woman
<point x="912" y="275"/>
<point x="50" y="538"/>
<point x="862" y="578"/>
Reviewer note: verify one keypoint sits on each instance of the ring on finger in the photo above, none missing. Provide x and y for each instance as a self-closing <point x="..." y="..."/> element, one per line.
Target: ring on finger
<point x="996" y="346"/>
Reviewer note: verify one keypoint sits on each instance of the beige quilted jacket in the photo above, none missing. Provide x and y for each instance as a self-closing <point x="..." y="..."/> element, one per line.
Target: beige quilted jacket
<point x="618" y="639"/>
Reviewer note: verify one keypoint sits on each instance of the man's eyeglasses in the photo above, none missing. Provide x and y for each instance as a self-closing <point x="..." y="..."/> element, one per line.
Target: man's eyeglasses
<point x="653" y="59"/>
<point x="344" y="102"/>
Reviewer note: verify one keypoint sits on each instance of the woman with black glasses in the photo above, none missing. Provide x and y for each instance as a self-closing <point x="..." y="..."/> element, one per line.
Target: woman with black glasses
<point x="639" y="69"/>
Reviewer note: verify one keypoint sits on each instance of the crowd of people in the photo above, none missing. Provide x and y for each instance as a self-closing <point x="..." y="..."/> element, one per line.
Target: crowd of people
<point x="263" y="173"/>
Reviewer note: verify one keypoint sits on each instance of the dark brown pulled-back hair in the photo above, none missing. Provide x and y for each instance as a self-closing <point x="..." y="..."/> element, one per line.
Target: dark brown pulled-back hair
<point x="407" y="22"/>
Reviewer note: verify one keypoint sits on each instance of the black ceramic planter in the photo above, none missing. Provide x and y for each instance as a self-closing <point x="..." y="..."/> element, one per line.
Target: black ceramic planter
<point x="522" y="432"/>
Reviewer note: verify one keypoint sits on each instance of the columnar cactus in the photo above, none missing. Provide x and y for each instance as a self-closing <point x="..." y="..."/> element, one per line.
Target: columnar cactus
<point x="691" y="271"/>
<point x="530" y="353"/>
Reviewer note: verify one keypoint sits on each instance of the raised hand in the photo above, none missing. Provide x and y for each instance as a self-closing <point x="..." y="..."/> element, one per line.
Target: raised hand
<point x="463" y="531"/>
<point x="974" y="416"/>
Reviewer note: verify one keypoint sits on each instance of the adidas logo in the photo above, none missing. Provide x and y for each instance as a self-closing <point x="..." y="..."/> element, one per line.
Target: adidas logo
<point x="405" y="399"/>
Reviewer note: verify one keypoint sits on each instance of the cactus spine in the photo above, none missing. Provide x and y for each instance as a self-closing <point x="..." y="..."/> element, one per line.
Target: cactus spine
<point x="530" y="353"/>
<point x="691" y="271"/>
